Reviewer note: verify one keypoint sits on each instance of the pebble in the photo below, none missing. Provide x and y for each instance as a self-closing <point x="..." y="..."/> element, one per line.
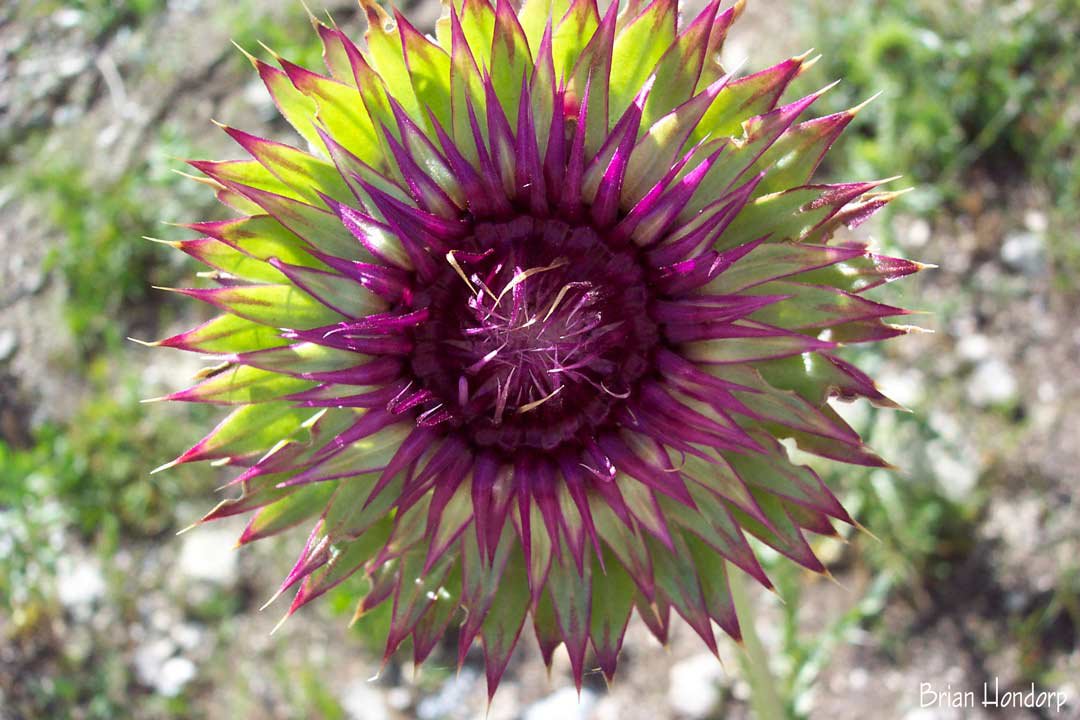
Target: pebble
<point x="904" y="386"/>
<point x="1036" y="221"/>
<point x="70" y="65"/>
<point x="956" y="476"/>
<point x="694" y="688"/>
<point x="992" y="383"/>
<point x="563" y="704"/>
<point x="1017" y="525"/>
<point x="974" y="347"/>
<point x="9" y="343"/>
<point x="922" y="714"/>
<point x="34" y="280"/>
<point x="917" y="235"/>
<point x="1024" y="252"/>
<point x="157" y="666"/>
<point x="207" y="554"/>
<point x="187" y="635"/>
<point x="362" y="700"/>
<point x="66" y="18"/>
<point x="451" y="696"/>
<point x="149" y="660"/>
<point x="399" y="698"/>
<point x="79" y="584"/>
<point x="175" y="673"/>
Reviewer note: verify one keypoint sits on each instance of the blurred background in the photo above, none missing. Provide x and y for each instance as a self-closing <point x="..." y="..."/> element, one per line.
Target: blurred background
<point x="974" y="573"/>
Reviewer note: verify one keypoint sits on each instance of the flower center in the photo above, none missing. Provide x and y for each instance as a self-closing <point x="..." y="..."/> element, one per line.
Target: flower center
<point x="538" y="330"/>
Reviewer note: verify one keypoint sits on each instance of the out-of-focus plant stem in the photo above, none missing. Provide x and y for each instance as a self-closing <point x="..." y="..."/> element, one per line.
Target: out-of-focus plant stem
<point x="765" y="699"/>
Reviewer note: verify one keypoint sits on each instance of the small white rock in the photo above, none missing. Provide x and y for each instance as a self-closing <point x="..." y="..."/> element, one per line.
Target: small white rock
<point x="70" y="65"/>
<point x="608" y="708"/>
<point x="175" y="673"/>
<point x="67" y="18"/>
<point x="922" y="714"/>
<point x="855" y="414"/>
<point x="694" y="688"/>
<point x="453" y="694"/>
<point x="974" y="347"/>
<point x="563" y="704"/>
<point x="399" y="698"/>
<point x="917" y="235"/>
<point x="904" y="386"/>
<point x="1024" y="252"/>
<point x="79" y="583"/>
<point x="957" y="477"/>
<point x="206" y="554"/>
<point x="187" y="635"/>
<point x="363" y="701"/>
<point x="9" y="343"/>
<point x="159" y="375"/>
<point x="150" y="658"/>
<point x="1036" y="221"/>
<point x="992" y="383"/>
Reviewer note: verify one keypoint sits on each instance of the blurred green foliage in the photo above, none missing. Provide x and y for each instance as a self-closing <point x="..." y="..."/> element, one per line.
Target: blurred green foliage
<point x="90" y="478"/>
<point x="285" y="37"/>
<point x="107" y="268"/>
<point x="966" y="83"/>
<point x="97" y="16"/>
<point x="30" y="528"/>
<point x="85" y="483"/>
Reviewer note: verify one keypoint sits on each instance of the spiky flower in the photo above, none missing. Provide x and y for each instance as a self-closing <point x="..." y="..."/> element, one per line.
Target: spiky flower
<point x="520" y="331"/>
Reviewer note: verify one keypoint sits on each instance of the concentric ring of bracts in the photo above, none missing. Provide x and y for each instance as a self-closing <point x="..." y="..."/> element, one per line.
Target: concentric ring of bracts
<point x="520" y="331"/>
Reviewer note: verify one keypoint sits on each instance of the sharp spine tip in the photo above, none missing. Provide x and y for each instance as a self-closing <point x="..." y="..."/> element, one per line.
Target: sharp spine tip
<point x="827" y="88"/>
<point x="171" y="243"/>
<point x="270" y="50"/>
<point x="862" y="528"/>
<point x="251" y="58"/>
<point x="166" y="466"/>
<point x="919" y="329"/>
<point x="273" y="597"/>
<point x="856" y="109"/>
<point x="192" y="526"/>
<point x="280" y="623"/>
<point x="832" y="578"/>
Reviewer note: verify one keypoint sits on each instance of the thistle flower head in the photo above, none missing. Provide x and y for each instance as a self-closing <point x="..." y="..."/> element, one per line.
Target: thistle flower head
<point x="517" y="335"/>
